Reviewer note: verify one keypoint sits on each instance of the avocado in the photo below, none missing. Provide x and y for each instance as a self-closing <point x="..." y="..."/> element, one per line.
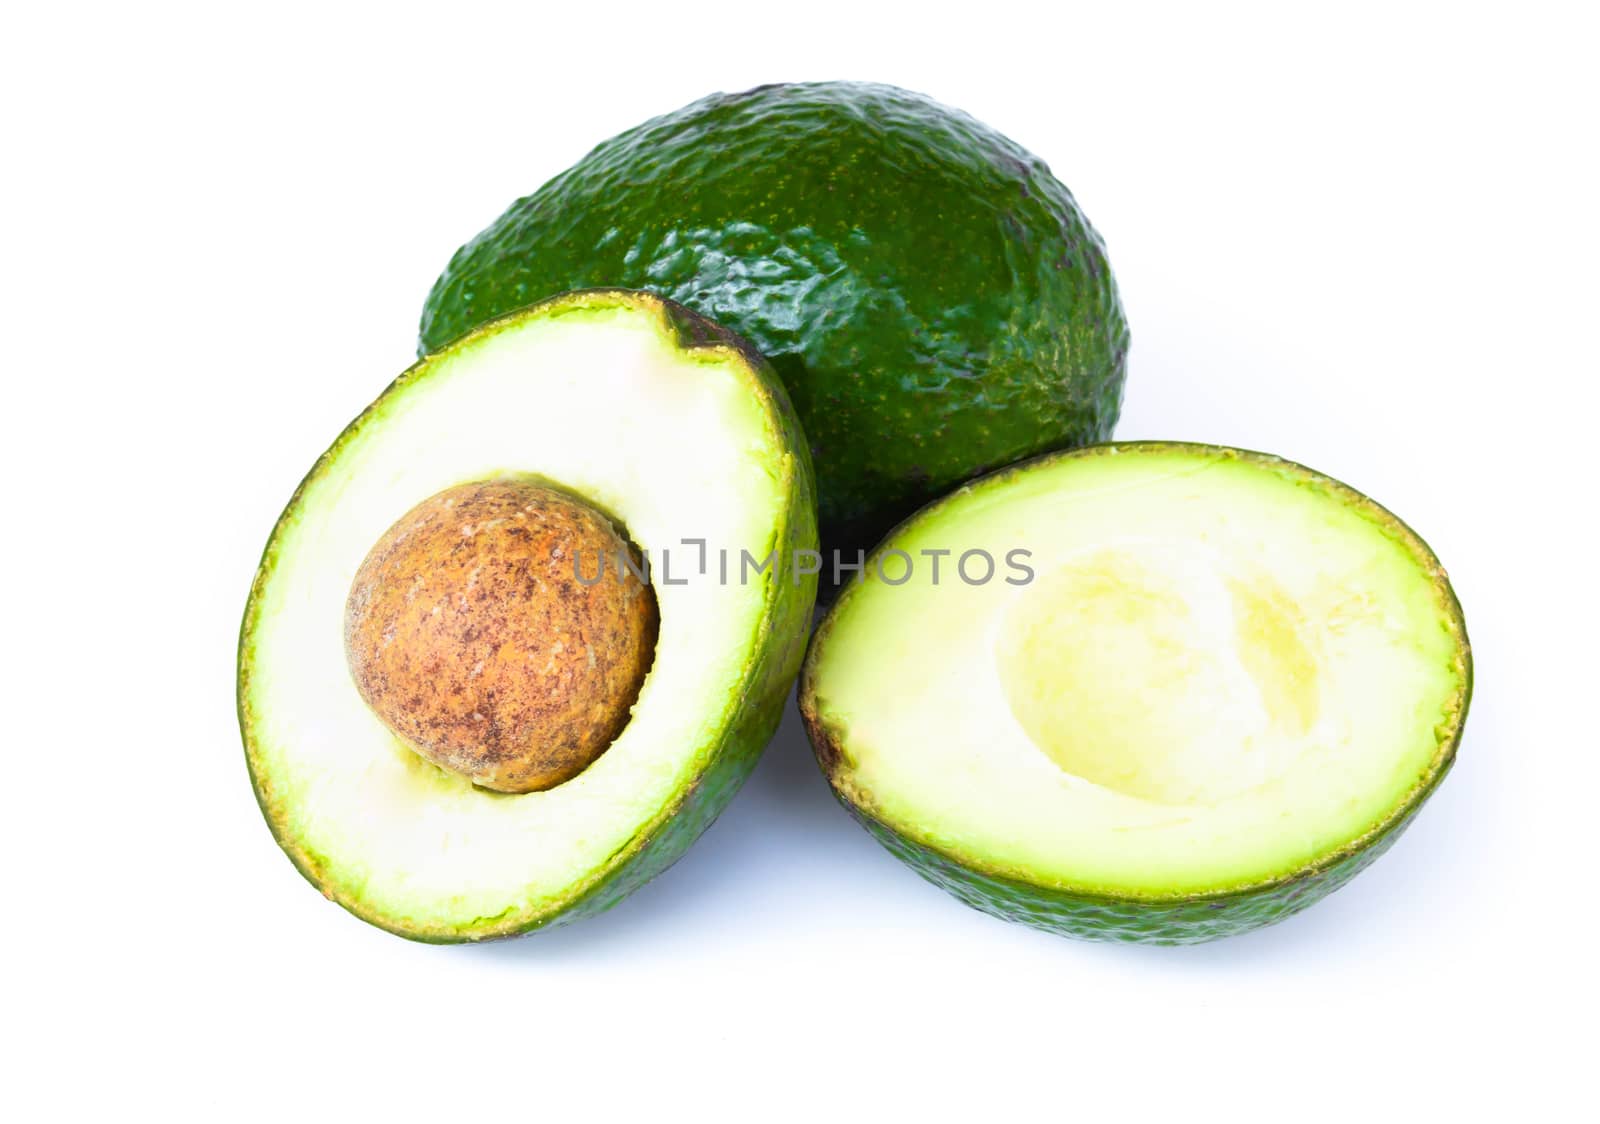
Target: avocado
<point x="1141" y="692"/>
<point x="932" y="297"/>
<point x="477" y="694"/>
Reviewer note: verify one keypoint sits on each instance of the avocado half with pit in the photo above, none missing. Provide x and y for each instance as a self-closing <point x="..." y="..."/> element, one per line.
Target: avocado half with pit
<point x="487" y="680"/>
<point x="1145" y="692"/>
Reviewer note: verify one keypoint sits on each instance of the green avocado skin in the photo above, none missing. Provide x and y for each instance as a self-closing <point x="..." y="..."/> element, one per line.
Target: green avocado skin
<point x="1065" y="913"/>
<point x="930" y="295"/>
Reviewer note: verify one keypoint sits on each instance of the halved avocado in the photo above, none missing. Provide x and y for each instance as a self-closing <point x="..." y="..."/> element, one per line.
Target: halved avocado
<point x="1152" y="692"/>
<point x="617" y="413"/>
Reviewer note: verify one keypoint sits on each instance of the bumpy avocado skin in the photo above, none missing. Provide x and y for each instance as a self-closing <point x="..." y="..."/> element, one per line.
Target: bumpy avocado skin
<point x="930" y="294"/>
<point x="764" y="688"/>
<point x="1179" y="920"/>
<point x="1185" y="921"/>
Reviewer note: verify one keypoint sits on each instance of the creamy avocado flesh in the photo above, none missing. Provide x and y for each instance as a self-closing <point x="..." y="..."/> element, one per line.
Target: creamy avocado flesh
<point x="631" y="407"/>
<point x="1227" y="682"/>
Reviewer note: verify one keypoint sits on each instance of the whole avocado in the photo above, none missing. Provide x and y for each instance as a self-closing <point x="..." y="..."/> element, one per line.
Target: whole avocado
<point x="931" y="296"/>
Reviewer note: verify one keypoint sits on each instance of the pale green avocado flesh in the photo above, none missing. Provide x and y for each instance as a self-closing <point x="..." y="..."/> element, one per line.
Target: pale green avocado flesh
<point x="653" y="415"/>
<point x="1201" y="688"/>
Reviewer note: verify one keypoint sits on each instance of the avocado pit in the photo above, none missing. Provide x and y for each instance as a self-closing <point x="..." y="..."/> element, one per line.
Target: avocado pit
<point x="468" y="632"/>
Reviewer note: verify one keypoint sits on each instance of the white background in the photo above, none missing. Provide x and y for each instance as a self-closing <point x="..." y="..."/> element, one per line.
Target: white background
<point x="1365" y="240"/>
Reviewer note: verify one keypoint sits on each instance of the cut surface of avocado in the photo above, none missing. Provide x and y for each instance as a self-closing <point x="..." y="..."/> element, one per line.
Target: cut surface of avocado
<point x="671" y="427"/>
<point x="1211" y="686"/>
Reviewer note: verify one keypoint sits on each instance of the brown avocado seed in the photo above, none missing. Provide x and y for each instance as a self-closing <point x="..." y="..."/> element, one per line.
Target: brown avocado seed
<point x="468" y="632"/>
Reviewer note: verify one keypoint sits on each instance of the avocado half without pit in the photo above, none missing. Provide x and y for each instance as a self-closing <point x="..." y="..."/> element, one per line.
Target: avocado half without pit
<point x="1148" y="692"/>
<point x="470" y="708"/>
